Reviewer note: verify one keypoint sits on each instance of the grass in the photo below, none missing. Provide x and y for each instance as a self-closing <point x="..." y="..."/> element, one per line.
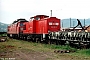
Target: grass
<point x="30" y="46"/>
<point x="60" y="47"/>
<point x="82" y="52"/>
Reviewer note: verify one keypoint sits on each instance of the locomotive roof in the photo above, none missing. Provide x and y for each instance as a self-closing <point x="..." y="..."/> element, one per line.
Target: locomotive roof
<point x="20" y="20"/>
<point x="14" y="22"/>
<point x="44" y="16"/>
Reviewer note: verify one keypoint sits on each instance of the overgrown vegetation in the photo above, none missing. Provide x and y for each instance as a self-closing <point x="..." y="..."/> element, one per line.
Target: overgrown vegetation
<point x="3" y="34"/>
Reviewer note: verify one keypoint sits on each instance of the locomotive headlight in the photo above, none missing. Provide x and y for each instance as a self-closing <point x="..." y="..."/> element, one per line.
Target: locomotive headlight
<point x="57" y="23"/>
<point x="21" y="28"/>
<point x="50" y="23"/>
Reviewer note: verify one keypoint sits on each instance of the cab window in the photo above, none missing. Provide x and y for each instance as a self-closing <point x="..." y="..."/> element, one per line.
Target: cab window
<point x="37" y="18"/>
<point x="21" y="24"/>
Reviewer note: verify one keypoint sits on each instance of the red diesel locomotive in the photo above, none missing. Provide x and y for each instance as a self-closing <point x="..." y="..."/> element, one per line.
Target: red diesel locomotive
<point x="16" y="28"/>
<point x="38" y="28"/>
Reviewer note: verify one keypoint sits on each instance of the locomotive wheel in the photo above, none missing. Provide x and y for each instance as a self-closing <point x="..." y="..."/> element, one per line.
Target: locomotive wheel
<point x="37" y="40"/>
<point x="49" y="42"/>
<point x="25" y="38"/>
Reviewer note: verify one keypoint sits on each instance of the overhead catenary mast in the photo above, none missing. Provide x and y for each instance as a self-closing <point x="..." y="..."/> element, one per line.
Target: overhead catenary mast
<point x="70" y="22"/>
<point x="62" y="24"/>
<point x="84" y="22"/>
<point x="73" y="23"/>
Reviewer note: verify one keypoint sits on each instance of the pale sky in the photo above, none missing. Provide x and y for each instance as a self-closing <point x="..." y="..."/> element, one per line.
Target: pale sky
<point x="11" y="10"/>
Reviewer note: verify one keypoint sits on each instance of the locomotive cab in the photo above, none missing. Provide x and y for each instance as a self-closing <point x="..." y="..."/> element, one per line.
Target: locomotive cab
<point x="21" y="25"/>
<point x="42" y="24"/>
